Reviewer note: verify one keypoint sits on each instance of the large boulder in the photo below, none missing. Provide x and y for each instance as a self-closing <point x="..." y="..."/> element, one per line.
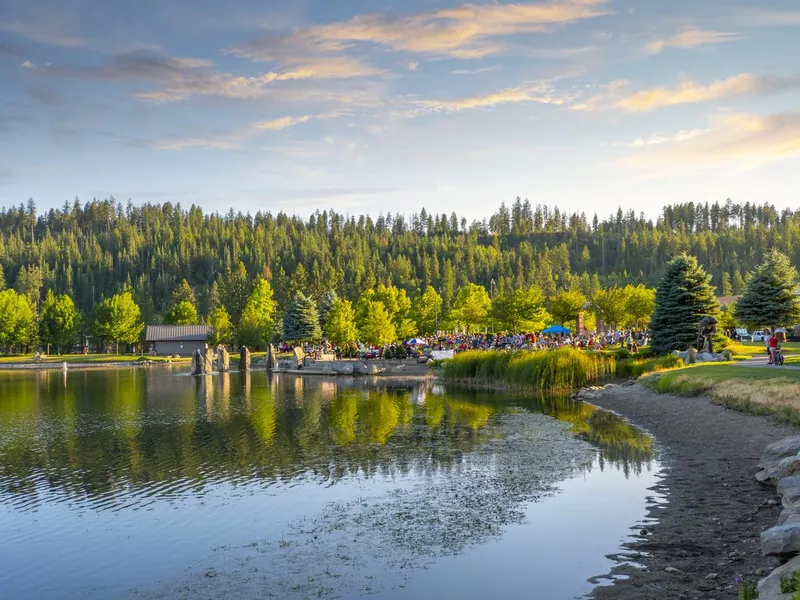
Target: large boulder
<point x="244" y="359"/>
<point x="789" y="490"/>
<point x="345" y="369"/>
<point x="779" y="450"/>
<point x="361" y="369"/>
<point x="786" y="467"/>
<point x="789" y="516"/>
<point x="781" y="540"/>
<point x="769" y="588"/>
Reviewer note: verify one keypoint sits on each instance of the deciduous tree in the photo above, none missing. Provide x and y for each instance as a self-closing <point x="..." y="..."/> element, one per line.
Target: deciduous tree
<point x="340" y="323"/>
<point x="257" y="324"/>
<point x="59" y="323"/>
<point x="375" y="324"/>
<point x="565" y="306"/>
<point x="471" y="307"/>
<point x="118" y="320"/>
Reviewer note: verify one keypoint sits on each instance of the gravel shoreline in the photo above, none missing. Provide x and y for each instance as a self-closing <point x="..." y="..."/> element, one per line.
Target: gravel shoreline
<point x="709" y="527"/>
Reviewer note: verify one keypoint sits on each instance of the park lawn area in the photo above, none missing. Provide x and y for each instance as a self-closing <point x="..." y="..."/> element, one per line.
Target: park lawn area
<point x="85" y="358"/>
<point x="766" y="391"/>
<point x="755" y="348"/>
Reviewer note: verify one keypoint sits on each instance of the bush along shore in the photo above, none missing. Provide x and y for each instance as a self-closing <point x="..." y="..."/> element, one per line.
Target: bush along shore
<point x="780" y="466"/>
<point x="559" y="370"/>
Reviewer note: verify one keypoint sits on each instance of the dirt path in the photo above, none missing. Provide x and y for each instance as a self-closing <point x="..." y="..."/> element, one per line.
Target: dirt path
<point x="715" y="510"/>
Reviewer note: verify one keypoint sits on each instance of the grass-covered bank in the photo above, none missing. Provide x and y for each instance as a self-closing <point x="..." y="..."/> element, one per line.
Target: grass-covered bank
<point x="563" y="369"/>
<point x="556" y="370"/>
<point x="767" y="391"/>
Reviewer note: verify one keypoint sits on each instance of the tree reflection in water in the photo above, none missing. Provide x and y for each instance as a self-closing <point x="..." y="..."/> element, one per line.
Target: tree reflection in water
<point x="113" y="437"/>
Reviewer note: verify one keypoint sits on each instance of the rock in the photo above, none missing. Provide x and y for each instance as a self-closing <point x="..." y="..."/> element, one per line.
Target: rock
<point x="759" y="572"/>
<point x="373" y="369"/>
<point x="298" y="358"/>
<point x="244" y="359"/>
<point x="790" y="515"/>
<point x="712" y="576"/>
<point x="399" y="369"/>
<point x="360" y="369"/>
<point x="608" y="386"/>
<point x="223" y="359"/>
<point x="789" y="490"/>
<point x="271" y="360"/>
<point x="672" y="570"/>
<point x="784" y="468"/>
<point x="197" y="363"/>
<point x="346" y="369"/>
<point x="781" y="540"/>
<point x="208" y="361"/>
<point x="175" y="356"/>
<point x="779" y="450"/>
<point x="327" y="370"/>
<point x="769" y="588"/>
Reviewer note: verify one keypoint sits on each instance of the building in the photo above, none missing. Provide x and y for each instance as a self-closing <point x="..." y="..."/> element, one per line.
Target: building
<point x="166" y="340"/>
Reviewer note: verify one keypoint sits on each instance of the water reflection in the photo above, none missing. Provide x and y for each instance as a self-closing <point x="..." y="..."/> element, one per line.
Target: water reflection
<point x="111" y="438"/>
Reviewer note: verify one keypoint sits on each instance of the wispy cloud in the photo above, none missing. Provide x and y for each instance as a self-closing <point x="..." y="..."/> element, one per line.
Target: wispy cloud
<point x="621" y="95"/>
<point x="690" y="37"/>
<point x="539" y="92"/>
<point x="476" y="71"/>
<point x="467" y="31"/>
<point x="737" y="142"/>
<point x="657" y="139"/>
<point x="768" y="17"/>
<point x="28" y="65"/>
<point x="42" y="35"/>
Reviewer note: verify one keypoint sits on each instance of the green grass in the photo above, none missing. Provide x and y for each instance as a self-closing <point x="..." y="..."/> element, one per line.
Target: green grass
<point x="84" y="358"/>
<point x="636" y="367"/>
<point x="763" y="391"/>
<point x="756" y="348"/>
<point x="562" y="369"/>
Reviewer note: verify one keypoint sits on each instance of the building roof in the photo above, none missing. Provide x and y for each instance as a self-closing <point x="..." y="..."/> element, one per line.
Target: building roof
<point x="176" y="333"/>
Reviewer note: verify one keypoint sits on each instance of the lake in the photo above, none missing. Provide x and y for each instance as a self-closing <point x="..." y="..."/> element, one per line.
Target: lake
<point x="151" y="483"/>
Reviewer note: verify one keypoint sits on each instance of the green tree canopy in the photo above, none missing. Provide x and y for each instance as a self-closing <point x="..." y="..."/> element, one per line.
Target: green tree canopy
<point x="29" y="282"/>
<point x="640" y="302"/>
<point x="427" y="311"/>
<point x="565" y="306"/>
<point x="213" y="300"/>
<point x="520" y="311"/>
<point x="183" y="293"/>
<point x="257" y="324"/>
<point x="2" y="279"/>
<point x="301" y="320"/>
<point x="182" y="313"/>
<point x="770" y="299"/>
<point x="236" y="287"/>
<point x="221" y="328"/>
<point x="59" y="323"/>
<point x="610" y="306"/>
<point x="17" y="320"/>
<point x="118" y="320"/>
<point x="471" y="307"/>
<point x="683" y="298"/>
<point x="340" y="323"/>
<point x="375" y="324"/>
<point x="398" y="305"/>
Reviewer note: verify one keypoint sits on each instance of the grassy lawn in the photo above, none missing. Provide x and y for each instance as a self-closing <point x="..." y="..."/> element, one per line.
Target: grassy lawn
<point x="84" y="358"/>
<point x="765" y="391"/>
<point x="755" y="348"/>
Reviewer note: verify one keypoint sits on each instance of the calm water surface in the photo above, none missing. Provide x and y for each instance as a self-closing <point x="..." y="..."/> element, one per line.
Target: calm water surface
<point x="156" y="484"/>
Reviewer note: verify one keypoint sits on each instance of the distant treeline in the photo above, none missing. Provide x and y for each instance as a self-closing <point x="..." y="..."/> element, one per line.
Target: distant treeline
<point x="93" y="250"/>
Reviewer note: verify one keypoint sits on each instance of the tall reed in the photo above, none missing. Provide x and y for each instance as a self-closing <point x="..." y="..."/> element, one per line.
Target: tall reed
<point x="563" y="369"/>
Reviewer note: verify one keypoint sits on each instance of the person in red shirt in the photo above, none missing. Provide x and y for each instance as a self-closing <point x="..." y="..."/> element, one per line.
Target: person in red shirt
<point x="773" y="347"/>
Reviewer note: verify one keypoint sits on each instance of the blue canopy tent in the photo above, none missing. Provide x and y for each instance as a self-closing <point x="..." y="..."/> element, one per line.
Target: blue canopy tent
<point x="555" y="329"/>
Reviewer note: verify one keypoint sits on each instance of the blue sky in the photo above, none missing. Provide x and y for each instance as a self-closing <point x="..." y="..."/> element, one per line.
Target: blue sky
<point x="367" y="106"/>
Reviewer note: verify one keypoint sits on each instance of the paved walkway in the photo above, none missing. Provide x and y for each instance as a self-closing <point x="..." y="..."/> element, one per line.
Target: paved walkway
<point x="762" y="362"/>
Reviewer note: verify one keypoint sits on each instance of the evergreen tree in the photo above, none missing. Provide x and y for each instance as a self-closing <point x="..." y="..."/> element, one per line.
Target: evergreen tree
<point x="340" y="323"/>
<point x="184" y="293"/>
<point x="325" y="305"/>
<point x="427" y="311"/>
<point x="565" y="306"/>
<point x="236" y="287"/>
<point x="727" y="286"/>
<point x="301" y="320"/>
<point x="257" y="325"/>
<point x="118" y="320"/>
<point x="221" y="328"/>
<point x="213" y="301"/>
<point x="2" y="279"/>
<point x="59" y="323"/>
<point x="471" y="307"/>
<point x="29" y="283"/>
<point x="520" y="311"/>
<point x="738" y="283"/>
<point x="683" y="298"/>
<point x="375" y="326"/>
<point x="770" y="298"/>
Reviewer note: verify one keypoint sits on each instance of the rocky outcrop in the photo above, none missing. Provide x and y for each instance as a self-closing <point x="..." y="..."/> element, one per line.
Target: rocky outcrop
<point x="769" y="588"/>
<point x="781" y="540"/>
<point x="770" y="463"/>
<point x="789" y="490"/>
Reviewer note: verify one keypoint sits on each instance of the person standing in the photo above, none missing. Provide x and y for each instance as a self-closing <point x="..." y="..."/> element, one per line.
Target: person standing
<point x="773" y="347"/>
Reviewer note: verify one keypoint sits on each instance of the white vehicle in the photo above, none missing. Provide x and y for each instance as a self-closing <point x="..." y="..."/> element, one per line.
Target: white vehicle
<point x="759" y="336"/>
<point x="743" y="335"/>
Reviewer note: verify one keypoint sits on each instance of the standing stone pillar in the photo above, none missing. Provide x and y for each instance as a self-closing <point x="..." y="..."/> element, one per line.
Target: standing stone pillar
<point x="208" y="361"/>
<point x="272" y="359"/>
<point x="244" y="359"/>
<point x="197" y="363"/>
<point x="223" y="359"/>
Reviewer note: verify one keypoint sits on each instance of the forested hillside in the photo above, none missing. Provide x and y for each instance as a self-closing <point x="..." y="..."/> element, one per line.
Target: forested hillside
<point x="93" y="250"/>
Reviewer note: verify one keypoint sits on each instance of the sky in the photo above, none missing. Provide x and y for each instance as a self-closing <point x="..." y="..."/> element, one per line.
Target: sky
<point x="382" y="105"/>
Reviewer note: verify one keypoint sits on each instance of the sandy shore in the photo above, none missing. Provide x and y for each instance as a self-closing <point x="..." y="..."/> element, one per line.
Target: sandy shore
<point x="709" y="528"/>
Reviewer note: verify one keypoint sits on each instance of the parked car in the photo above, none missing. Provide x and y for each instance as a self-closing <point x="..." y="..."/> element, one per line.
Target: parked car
<point x="759" y="336"/>
<point x="744" y="336"/>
